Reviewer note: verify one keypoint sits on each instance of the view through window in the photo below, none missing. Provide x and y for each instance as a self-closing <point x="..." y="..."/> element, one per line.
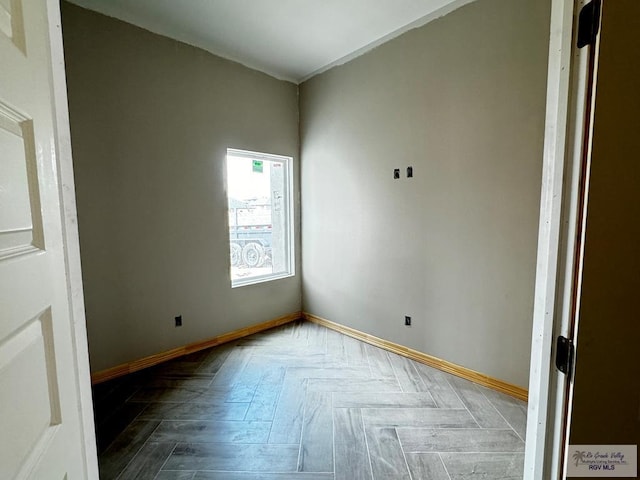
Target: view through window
<point x="260" y="216"/>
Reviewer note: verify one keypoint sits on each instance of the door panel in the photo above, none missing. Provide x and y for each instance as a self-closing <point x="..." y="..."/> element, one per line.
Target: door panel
<point x="20" y="225"/>
<point x="606" y="395"/>
<point x="12" y="22"/>
<point x="40" y="423"/>
<point x="28" y="381"/>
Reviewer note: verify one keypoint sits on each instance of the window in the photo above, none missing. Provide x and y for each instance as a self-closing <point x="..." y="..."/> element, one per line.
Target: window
<point x="260" y="216"/>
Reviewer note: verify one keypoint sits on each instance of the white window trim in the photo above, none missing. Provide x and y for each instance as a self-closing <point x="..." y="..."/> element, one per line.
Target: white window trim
<point x="289" y="241"/>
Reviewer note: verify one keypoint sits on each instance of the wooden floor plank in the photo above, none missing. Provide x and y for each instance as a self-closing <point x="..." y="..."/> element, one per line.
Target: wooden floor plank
<point x="427" y="466"/>
<point x="383" y="400"/>
<point x="316" y="446"/>
<point x="482" y="409"/>
<point x="513" y="411"/>
<point x="214" y="410"/>
<point x="351" y="454"/>
<point x="185" y="431"/>
<point x="287" y="421"/>
<point x="265" y="399"/>
<point x="379" y="362"/>
<point x="387" y="457"/>
<point x="419" y="417"/>
<point x="148" y="461"/>
<point x="505" y="466"/>
<point x="262" y="476"/>
<point x="175" y="475"/>
<point x="115" y="423"/>
<point x="230" y="457"/>
<point x="437" y="383"/>
<point x="459" y="440"/>
<point x="406" y="373"/>
<point x="124" y="448"/>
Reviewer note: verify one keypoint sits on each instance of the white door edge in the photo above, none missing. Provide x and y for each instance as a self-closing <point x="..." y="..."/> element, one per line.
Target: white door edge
<point x="581" y="135"/>
<point x="71" y="243"/>
<point x="564" y="130"/>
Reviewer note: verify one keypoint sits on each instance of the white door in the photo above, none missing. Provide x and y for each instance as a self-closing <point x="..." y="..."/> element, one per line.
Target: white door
<point x="46" y="430"/>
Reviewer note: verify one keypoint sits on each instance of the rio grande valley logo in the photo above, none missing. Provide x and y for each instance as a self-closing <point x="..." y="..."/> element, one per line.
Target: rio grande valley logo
<point x="599" y="460"/>
<point x="602" y="461"/>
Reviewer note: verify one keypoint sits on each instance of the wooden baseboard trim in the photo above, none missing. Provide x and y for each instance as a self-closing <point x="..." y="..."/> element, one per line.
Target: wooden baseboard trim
<point x="150" y="361"/>
<point x="445" y="366"/>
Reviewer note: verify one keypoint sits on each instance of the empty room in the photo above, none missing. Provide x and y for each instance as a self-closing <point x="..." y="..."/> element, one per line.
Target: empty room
<point x="380" y="327"/>
<point x="302" y="240"/>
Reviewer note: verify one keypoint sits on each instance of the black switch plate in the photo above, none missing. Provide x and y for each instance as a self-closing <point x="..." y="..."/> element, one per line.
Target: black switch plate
<point x="179" y="321"/>
<point x="396" y="173"/>
<point x="409" y="172"/>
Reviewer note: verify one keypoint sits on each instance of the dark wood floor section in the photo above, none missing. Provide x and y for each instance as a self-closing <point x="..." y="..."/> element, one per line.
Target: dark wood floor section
<point x="301" y="402"/>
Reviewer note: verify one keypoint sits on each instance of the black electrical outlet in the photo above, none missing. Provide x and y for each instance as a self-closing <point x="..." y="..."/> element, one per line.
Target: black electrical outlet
<point x="409" y="172"/>
<point x="396" y="173"/>
<point x="179" y="321"/>
<point x="407" y="320"/>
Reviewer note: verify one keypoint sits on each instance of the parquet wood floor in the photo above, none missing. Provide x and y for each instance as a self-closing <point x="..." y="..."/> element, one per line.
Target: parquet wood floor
<point x="301" y="402"/>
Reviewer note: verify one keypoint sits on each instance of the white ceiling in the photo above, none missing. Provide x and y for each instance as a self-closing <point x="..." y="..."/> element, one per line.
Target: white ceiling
<point x="289" y="39"/>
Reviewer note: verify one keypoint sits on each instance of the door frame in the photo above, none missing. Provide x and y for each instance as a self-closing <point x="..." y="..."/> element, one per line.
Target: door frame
<point x="70" y="238"/>
<point x="561" y="213"/>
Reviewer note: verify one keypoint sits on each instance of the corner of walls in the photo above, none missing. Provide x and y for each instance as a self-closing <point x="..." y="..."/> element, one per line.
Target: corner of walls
<point x="461" y="100"/>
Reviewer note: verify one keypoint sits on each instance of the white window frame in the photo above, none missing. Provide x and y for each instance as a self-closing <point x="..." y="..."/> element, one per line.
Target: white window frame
<point x="288" y="204"/>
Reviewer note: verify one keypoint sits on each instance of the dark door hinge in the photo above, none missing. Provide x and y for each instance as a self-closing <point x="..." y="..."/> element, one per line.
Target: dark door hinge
<point x="565" y="352"/>
<point x="589" y="23"/>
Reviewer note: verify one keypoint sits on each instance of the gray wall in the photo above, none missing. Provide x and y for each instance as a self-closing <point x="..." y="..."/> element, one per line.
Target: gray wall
<point x="462" y="101"/>
<point x="151" y="119"/>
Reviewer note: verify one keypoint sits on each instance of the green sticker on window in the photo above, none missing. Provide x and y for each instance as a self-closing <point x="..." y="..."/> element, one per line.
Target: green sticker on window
<point x="257" y="166"/>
